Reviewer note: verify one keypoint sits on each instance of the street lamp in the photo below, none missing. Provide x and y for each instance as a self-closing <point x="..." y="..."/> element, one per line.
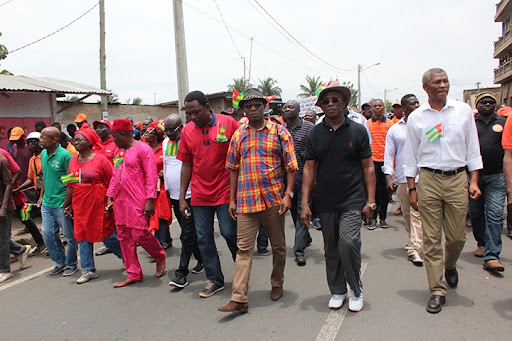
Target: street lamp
<point x="359" y="70"/>
<point x="385" y="92"/>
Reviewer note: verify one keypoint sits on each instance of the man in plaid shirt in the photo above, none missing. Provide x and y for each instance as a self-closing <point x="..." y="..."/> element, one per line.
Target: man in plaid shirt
<point x="260" y="155"/>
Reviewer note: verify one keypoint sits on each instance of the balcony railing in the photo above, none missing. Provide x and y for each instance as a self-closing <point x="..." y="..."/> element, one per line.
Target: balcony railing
<point x="501" y="10"/>
<point x="502" y="43"/>
<point x="503" y="73"/>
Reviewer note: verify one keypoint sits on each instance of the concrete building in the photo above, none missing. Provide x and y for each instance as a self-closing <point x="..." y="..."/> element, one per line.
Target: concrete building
<point x="503" y="51"/>
<point x="469" y="95"/>
<point x="26" y="100"/>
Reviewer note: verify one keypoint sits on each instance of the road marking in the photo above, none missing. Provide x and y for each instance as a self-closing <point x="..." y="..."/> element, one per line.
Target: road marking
<point x="24" y="279"/>
<point x="335" y="319"/>
<point x="34" y="275"/>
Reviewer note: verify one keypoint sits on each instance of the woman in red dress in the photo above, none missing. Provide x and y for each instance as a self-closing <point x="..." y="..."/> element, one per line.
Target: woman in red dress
<point x="162" y="218"/>
<point x="88" y="181"/>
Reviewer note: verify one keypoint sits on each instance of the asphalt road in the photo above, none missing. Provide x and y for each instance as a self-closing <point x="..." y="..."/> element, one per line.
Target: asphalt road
<point x="37" y="306"/>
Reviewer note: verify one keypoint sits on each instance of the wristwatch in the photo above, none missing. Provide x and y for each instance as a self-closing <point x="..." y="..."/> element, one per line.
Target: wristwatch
<point x="373" y="206"/>
<point x="290" y="194"/>
<point x="409" y="190"/>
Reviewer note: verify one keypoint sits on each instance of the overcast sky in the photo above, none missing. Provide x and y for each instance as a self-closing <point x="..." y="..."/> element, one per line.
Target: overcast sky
<point x="405" y="36"/>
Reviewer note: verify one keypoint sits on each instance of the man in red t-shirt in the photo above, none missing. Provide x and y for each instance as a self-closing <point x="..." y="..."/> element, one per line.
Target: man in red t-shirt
<point x="203" y="149"/>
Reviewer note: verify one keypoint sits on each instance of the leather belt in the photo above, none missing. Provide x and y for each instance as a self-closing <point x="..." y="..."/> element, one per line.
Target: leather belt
<point x="447" y="173"/>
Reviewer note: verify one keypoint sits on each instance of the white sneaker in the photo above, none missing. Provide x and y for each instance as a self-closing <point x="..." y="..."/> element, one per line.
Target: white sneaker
<point x="355" y="303"/>
<point x="407" y="246"/>
<point x="5" y="276"/>
<point x="87" y="276"/>
<point x="23" y="257"/>
<point x="336" y="301"/>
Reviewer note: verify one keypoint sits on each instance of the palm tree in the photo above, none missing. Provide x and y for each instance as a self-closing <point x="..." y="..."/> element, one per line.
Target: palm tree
<point x="269" y="87"/>
<point x="313" y="84"/>
<point x="239" y="84"/>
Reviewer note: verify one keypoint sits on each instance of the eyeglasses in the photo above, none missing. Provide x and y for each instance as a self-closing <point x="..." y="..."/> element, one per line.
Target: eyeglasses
<point x="173" y="130"/>
<point x="257" y="105"/>
<point x="334" y="100"/>
<point x="490" y="102"/>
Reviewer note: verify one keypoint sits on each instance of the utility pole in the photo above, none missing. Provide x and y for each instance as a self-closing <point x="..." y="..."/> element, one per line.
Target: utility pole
<point x="181" y="54"/>
<point x="243" y="60"/>
<point x="359" y="87"/>
<point x="103" y="57"/>
<point x="250" y="62"/>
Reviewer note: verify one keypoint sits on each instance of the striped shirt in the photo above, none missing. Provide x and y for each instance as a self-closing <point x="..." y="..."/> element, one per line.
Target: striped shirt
<point x="299" y="134"/>
<point x="260" y="156"/>
<point x="378" y="130"/>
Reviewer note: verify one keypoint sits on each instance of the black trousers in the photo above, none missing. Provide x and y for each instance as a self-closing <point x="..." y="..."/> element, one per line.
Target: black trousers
<point x="381" y="192"/>
<point x="188" y="239"/>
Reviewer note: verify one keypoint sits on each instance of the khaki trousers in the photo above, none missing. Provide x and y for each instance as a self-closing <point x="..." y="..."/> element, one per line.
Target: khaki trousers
<point x="412" y="221"/>
<point x="248" y="225"/>
<point x="443" y="205"/>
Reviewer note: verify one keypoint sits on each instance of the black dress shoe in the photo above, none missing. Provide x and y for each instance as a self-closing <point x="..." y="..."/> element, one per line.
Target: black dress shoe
<point x="300" y="260"/>
<point x="103" y="251"/>
<point x="452" y="277"/>
<point x="435" y="304"/>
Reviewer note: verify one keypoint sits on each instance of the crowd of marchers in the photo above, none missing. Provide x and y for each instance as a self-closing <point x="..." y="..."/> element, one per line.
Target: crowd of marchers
<point x="120" y="183"/>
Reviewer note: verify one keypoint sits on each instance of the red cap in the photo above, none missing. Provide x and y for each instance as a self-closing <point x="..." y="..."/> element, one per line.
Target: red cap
<point x="107" y="122"/>
<point x="122" y="124"/>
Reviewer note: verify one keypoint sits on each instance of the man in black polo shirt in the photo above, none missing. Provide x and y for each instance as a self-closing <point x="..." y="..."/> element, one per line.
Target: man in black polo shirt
<point x="299" y="129"/>
<point x="338" y="152"/>
<point x="486" y="212"/>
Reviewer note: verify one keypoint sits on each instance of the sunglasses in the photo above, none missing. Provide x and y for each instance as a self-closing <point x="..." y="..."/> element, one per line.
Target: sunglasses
<point x="490" y="102"/>
<point x="257" y="105"/>
<point x="173" y="130"/>
<point x="334" y="100"/>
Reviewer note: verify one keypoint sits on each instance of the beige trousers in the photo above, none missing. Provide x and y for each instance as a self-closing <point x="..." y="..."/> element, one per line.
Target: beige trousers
<point x="443" y="205"/>
<point x="247" y="229"/>
<point x="412" y="221"/>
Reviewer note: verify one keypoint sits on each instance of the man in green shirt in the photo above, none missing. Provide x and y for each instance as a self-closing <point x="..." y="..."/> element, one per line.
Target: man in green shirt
<point x="55" y="162"/>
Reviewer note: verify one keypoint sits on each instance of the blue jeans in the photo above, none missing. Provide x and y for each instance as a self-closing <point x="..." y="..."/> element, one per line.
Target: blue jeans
<point x="53" y="218"/>
<point x="203" y="216"/>
<point x="87" y="255"/>
<point x="487" y="214"/>
<point x="262" y="240"/>
<point x="163" y="235"/>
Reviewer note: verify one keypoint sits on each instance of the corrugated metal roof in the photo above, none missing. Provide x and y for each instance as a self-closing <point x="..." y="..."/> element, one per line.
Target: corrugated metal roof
<point x="46" y="84"/>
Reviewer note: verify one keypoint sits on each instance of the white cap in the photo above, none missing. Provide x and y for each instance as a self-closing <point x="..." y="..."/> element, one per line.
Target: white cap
<point x="34" y="135"/>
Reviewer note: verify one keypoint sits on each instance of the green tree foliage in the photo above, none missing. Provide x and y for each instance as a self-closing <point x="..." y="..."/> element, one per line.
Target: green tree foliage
<point x="353" y="93"/>
<point x="269" y="87"/>
<point x="3" y="54"/>
<point x="308" y="90"/>
<point x="239" y="84"/>
<point x="73" y="98"/>
<point x="112" y="99"/>
<point x="135" y="101"/>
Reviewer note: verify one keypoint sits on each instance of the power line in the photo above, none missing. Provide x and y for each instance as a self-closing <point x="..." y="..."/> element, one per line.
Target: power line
<point x="298" y="42"/>
<point x="51" y="34"/>
<point x="227" y="29"/>
<point x="5" y="3"/>
<point x="267" y="47"/>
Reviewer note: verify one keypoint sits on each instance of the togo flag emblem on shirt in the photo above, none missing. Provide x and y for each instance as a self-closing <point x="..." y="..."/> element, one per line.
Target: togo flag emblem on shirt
<point x="221" y="136"/>
<point x="172" y="148"/>
<point x="74" y="177"/>
<point x="118" y="159"/>
<point x="25" y="212"/>
<point x="435" y="133"/>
